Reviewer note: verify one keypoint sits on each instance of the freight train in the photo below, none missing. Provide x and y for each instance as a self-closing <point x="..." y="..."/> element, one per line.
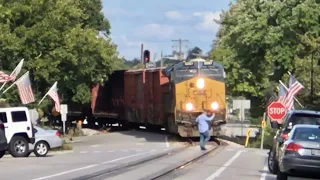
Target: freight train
<point x="169" y="97"/>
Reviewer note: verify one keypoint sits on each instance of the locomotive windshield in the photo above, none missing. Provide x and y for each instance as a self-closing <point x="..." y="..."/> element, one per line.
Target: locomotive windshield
<point x="186" y="70"/>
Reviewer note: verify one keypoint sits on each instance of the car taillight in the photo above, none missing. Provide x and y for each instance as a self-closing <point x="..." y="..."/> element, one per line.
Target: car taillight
<point x="294" y="147"/>
<point x="58" y="133"/>
<point x="2" y="126"/>
<point x="284" y="136"/>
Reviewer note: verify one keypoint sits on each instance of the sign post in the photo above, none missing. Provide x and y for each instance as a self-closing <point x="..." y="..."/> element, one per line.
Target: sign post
<point x="263" y="125"/>
<point x="276" y="111"/>
<point x="64" y="112"/>
<point x="247" y="138"/>
<point x="242" y="105"/>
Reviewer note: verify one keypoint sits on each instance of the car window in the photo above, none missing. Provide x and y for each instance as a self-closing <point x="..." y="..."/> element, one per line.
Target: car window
<point x="19" y="116"/>
<point x="306" y="134"/>
<point x="3" y="117"/>
<point x="302" y="118"/>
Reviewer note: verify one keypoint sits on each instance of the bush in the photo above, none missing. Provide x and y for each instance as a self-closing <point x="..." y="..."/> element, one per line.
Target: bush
<point x="268" y="138"/>
<point x="4" y="103"/>
<point x="64" y="147"/>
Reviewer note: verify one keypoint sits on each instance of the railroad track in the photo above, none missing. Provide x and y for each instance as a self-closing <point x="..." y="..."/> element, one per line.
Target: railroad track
<point x="112" y="172"/>
<point x="189" y="162"/>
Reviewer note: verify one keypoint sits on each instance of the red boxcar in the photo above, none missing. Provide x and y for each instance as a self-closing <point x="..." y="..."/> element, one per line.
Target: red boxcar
<point x="134" y="82"/>
<point x="107" y="101"/>
<point x="153" y="103"/>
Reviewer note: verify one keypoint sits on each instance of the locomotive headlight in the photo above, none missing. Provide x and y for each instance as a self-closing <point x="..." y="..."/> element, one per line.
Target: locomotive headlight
<point x="189" y="106"/>
<point x="214" y="105"/>
<point x="200" y="83"/>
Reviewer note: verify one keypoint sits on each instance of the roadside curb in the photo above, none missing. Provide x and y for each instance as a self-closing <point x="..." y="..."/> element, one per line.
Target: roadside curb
<point x="75" y="141"/>
<point x="60" y="152"/>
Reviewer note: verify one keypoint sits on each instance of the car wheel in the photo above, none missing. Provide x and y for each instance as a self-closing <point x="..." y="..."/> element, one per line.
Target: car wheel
<point x="2" y="153"/>
<point x="18" y="147"/>
<point x="272" y="162"/>
<point x="41" y="149"/>
<point x="282" y="176"/>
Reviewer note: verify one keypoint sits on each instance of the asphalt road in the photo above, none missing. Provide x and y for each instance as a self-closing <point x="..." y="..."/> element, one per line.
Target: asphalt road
<point x="229" y="163"/>
<point x="90" y="154"/>
<point x="103" y="152"/>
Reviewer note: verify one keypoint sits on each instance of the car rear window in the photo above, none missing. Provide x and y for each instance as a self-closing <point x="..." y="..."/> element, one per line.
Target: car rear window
<point x="306" y="134"/>
<point x="303" y="118"/>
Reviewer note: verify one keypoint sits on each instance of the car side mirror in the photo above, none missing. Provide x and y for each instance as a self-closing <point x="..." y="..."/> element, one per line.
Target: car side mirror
<point x="35" y="130"/>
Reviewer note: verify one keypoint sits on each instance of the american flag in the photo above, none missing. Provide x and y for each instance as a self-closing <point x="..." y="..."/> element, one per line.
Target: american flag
<point x="14" y="73"/>
<point x="17" y="70"/>
<point x="25" y="89"/>
<point x="294" y="88"/>
<point x="5" y="77"/>
<point x="271" y="97"/>
<point x="281" y="93"/>
<point x="53" y="93"/>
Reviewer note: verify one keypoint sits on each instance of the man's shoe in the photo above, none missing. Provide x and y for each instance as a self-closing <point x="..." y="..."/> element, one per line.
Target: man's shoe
<point x="202" y="148"/>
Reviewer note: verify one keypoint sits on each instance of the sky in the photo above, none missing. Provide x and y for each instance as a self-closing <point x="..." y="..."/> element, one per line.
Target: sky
<point x="156" y="22"/>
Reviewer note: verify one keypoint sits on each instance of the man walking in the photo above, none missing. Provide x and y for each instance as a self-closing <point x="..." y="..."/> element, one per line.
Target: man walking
<point x="203" y="121"/>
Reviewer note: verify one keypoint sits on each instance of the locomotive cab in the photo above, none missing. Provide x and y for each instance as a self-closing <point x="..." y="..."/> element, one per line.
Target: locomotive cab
<point x="196" y="85"/>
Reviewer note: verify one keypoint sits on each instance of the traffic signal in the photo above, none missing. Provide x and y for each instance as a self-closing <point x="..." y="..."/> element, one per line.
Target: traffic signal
<point x="146" y="56"/>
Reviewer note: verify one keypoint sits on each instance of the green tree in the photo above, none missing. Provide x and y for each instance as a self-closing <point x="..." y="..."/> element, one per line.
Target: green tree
<point x="259" y="41"/>
<point x="58" y="40"/>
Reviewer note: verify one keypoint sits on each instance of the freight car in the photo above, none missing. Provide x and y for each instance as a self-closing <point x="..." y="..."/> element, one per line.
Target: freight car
<point x="169" y="97"/>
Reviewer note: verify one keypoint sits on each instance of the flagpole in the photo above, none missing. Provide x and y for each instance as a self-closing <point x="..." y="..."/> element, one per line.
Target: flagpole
<point x="47" y="93"/>
<point x="43" y="98"/>
<point x="15" y="83"/>
<point x="11" y="74"/>
<point x="287" y="91"/>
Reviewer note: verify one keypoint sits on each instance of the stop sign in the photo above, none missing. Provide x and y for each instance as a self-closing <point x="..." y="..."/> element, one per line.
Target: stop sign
<point x="276" y="111"/>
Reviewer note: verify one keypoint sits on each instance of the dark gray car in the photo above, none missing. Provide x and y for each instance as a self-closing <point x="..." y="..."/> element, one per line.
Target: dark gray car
<point x="300" y="152"/>
<point x="3" y="140"/>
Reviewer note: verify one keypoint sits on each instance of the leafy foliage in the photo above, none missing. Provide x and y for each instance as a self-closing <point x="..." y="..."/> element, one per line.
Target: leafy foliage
<point x="259" y="41"/>
<point x="58" y="40"/>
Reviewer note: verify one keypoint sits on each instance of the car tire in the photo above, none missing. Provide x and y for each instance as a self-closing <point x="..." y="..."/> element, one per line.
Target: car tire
<point x="2" y="153"/>
<point x="273" y="166"/>
<point x="41" y="149"/>
<point x="15" y="145"/>
<point x="282" y="176"/>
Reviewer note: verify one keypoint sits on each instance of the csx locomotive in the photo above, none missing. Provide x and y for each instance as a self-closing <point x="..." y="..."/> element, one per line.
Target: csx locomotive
<point x="169" y="97"/>
<point x="194" y="86"/>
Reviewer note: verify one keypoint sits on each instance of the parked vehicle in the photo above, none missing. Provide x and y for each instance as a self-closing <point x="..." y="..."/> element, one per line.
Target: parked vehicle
<point x="300" y="152"/>
<point x="3" y="140"/>
<point x="18" y="130"/>
<point x="291" y="119"/>
<point x="45" y="140"/>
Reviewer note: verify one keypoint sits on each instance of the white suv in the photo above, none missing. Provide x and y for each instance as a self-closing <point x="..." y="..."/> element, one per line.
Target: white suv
<point x="3" y="140"/>
<point x="18" y="129"/>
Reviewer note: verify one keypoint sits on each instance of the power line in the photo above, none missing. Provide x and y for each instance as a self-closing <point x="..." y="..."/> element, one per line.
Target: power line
<point x="180" y="43"/>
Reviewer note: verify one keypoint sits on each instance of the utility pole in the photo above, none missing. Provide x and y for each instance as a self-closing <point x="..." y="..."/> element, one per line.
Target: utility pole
<point x="311" y="79"/>
<point x="180" y="42"/>
<point x="141" y="54"/>
<point x="161" y="61"/>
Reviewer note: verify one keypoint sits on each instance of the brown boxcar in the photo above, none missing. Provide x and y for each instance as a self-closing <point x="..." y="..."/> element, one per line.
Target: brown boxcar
<point x="134" y="82"/>
<point x="108" y="100"/>
<point x="153" y="103"/>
